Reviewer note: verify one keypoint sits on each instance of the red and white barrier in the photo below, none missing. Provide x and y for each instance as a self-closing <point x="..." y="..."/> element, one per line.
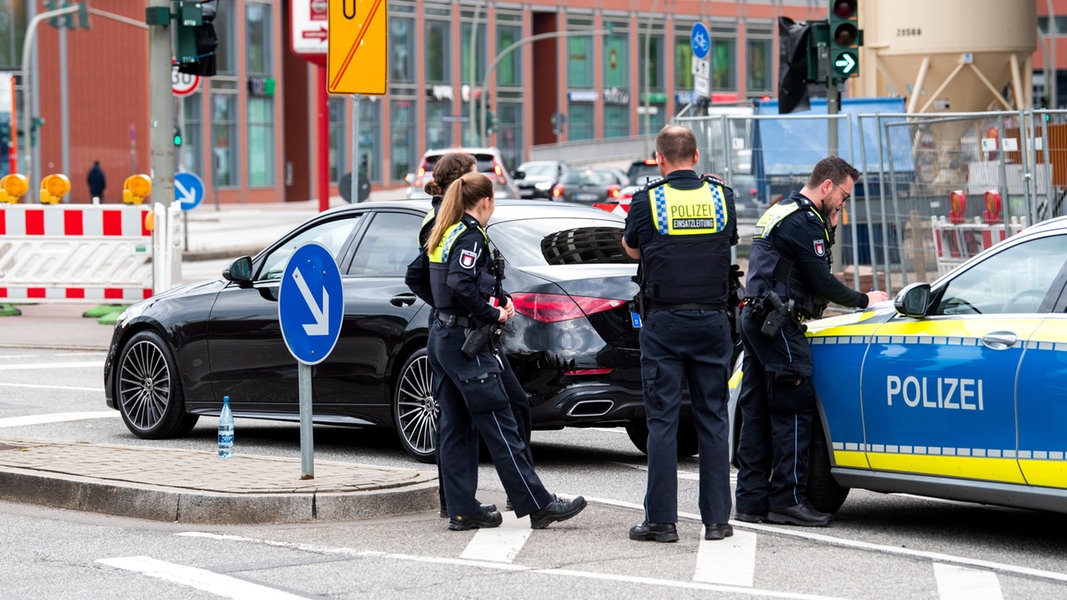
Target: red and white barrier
<point x="954" y="243"/>
<point x="75" y="253"/>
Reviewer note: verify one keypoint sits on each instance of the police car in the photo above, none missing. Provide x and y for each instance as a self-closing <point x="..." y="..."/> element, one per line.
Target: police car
<point x="957" y="390"/>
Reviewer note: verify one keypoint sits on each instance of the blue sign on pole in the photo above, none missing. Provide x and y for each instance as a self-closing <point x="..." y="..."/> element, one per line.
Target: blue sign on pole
<point x="188" y="190"/>
<point x="700" y="39"/>
<point x="311" y="303"/>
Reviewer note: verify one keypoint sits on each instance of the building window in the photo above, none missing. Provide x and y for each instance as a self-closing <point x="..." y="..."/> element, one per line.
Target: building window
<point x="650" y="73"/>
<point x="759" y="66"/>
<point x="683" y="62"/>
<point x="509" y="131"/>
<point x="224" y="138"/>
<point x="401" y="50"/>
<point x="12" y="33"/>
<point x="226" y="53"/>
<point x="469" y="74"/>
<point x="191" y="156"/>
<point x="338" y="126"/>
<point x="370" y="139"/>
<point x="260" y="142"/>
<point x="723" y="58"/>
<point x="437" y="51"/>
<point x="579" y="55"/>
<point x="438" y="129"/>
<point x="403" y="134"/>
<point x="616" y="57"/>
<point x="258" y="39"/>
<point x="616" y="121"/>
<point x="509" y="70"/>
<point x="579" y="122"/>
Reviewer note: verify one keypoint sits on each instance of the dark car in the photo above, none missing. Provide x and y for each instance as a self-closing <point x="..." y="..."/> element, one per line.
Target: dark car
<point x="591" y="185"/>
<point x="174" y="356"/>
<point x="642" y="171"/>
<point x="539" y="177"/>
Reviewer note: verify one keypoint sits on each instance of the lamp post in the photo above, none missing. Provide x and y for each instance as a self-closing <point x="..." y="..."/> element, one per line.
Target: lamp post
<point x="506" y="51"/>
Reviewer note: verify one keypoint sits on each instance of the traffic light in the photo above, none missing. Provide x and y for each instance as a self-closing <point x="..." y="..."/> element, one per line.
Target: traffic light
<point x="196" y="37"/>
<point x="67" y="20"/>
<point x="177" y="137"/>
<point x="490" y="120"/>
<point x="845" y="38"/>
<point x="793" y="62"/>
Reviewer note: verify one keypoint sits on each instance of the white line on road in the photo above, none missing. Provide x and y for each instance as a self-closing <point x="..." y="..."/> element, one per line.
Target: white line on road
<point x="729" y="562"/>
<point x="201" y="579"/>
<point x="500" y="544"/>
<point x="56" y="418"/>
<point x="68" y="365"/>
<point x="960" y="583"/>
<point x="52" y="387"/>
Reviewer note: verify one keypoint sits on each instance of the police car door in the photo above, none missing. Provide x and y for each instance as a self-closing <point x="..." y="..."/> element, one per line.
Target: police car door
<point x="939" y="393"/>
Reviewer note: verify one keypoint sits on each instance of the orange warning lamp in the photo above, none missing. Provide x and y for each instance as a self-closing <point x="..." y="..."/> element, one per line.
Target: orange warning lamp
<point x="992" y="207"/>
<point x="136" y="188"/>
<point x="13" y="187"/>
<point x="957" y="206"/>
<point x="53" y="188"/>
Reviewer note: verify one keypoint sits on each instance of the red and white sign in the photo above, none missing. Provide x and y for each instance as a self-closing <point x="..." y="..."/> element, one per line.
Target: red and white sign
<point x="310" y="27"/>
<point x="183" y="84"/>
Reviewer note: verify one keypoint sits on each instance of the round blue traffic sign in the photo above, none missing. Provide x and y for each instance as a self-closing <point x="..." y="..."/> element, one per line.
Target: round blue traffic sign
<point x="311" y="303"/>
<point x="188" y="190"/>
<point x="701" y="41"/>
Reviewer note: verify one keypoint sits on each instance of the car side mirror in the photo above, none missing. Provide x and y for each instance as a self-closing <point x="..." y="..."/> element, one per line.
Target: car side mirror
<point x="239" y="271"/>
<point x="913" y="301"/>
<point x="518" y="174"/>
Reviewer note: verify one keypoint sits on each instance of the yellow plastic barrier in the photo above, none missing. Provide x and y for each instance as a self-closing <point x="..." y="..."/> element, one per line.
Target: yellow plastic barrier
<point x="13" y="187"/>
<point x="53" y="188"/>
<point x="136" y="188"/>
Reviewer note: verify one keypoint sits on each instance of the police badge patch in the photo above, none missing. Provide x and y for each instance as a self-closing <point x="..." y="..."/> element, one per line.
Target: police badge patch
<point x="467" y="258"/>
<point x="820" y="247"/>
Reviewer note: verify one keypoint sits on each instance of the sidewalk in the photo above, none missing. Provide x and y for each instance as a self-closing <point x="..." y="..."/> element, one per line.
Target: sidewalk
<point x="192" y="486"/>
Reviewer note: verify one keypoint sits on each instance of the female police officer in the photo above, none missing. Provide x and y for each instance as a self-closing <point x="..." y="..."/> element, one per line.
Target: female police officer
<point x="472" y="390"/>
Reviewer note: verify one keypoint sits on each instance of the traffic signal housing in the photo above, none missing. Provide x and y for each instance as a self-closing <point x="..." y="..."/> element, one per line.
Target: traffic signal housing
<point x="177" y="137"/>
<point x="793" y="62"/>
<point x="845" y="39"/>
<point x="196" y="37"/>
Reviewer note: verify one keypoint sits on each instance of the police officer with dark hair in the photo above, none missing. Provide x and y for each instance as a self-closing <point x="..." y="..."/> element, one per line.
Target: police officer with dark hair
<point x="472" y="393"/>
<point x="681" y="227"/>
<point x="789" y="281"/>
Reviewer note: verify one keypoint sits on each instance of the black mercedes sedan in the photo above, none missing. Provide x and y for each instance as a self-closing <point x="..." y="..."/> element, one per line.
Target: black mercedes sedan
<point x="175" y="355"/>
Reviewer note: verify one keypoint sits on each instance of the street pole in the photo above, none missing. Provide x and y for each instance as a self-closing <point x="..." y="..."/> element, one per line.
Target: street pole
<point x="471" y="131"/>
<point x="161" y="123"/>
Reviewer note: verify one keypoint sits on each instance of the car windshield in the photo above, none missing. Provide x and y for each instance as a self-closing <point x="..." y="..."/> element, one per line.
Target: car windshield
<point x="559" y="241"/>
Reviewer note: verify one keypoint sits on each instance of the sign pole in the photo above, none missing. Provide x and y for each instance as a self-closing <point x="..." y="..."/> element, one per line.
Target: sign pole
<point x="307" y="441"/>
<point x="354" y="184"/>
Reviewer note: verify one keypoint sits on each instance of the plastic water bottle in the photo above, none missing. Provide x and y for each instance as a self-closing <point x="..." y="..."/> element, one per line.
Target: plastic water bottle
<point x="225" y="429"/>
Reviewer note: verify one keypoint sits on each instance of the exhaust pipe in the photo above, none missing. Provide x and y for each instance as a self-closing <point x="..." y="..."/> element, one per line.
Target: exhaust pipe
<point x="591" y="408"/>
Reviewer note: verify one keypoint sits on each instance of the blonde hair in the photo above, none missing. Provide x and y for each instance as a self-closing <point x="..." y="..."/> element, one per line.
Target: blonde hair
<point x="463" y="194"/>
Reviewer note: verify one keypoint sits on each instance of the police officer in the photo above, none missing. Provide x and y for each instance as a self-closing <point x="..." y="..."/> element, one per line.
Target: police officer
<point x="681" y="227"/>
<point x="449" y="168"/>
<point x="472" y="390"/>
<point x="789" y="281"/>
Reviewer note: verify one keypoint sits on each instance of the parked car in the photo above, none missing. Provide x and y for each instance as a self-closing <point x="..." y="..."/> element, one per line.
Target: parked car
<point x="490" y="163"/>
<point x="590" y="185"/>
<point x="540" y="176"/>
<point x="175" y="355"/>
<point x="958" y="389"/>
<point x="642" y="171"/>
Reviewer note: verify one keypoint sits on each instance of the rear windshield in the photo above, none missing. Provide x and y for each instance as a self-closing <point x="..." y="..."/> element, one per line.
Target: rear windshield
<point x="562" y="241"/>
<point x="641" y="173"/>
<point x="485" y="162"/>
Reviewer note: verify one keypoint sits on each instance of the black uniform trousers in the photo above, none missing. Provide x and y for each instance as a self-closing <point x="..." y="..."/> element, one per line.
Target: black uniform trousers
<point x="473" y="400"/>
<point x="777" y="407"/>
<point x="691" y="346"/>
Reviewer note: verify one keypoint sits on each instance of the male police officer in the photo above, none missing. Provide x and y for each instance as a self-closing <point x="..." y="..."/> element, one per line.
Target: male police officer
<point x="789" y="280"/>
<point x="681" y="227"/>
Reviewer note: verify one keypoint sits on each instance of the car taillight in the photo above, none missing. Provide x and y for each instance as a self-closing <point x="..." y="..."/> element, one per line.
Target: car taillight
<point x="614" y="191"/>
<point x="498" y="169"/>
<point x="552" y="308"/>
<point x="557" y="191"/>
<point x="587" y="372"/>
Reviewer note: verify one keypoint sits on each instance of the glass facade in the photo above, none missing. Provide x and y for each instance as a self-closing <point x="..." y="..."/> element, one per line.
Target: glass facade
<point x="723" y="58"/>
<point x="616" y="80"/>
<point x="224" y="138"/>
<point x="191" y="157"/>
<point x="581" y="93"/>
<point x="339" y="111"/>
<point x="259" y="59"/>
<point x="759" y="61"/>
<point x="402" y="138"/>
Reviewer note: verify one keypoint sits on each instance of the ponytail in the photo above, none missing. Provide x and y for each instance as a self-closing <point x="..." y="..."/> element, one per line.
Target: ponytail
<point x="463" y="194"/>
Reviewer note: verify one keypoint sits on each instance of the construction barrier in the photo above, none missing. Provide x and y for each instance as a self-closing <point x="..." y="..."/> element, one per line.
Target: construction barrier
<point x="957" y="242"/>
<point x="75" y="253"/>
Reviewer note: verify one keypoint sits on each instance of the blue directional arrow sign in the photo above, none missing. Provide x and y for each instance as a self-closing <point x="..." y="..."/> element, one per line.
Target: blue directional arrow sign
<point x="701" y="41"/>
<point x="188" y="190"/>
<point x="311" y="303"/>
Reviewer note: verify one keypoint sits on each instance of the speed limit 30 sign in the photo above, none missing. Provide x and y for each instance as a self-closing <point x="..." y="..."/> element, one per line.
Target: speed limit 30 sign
<point x="183" y="84"/>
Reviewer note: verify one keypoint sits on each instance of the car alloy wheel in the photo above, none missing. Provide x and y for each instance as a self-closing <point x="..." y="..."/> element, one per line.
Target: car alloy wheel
<point x="415" y="409"/>
<point x="148" y="390"/>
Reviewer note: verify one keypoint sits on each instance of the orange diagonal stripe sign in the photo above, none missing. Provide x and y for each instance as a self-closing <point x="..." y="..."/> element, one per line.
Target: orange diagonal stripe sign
<point x="357" y="25"/>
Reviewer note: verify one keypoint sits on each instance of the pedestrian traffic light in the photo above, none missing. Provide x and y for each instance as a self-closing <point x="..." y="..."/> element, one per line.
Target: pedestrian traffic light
<point x="196" y="37"/>
<point x="845" y="38"/>
<point x="490" y="120"/>
<point x="793" y="60"/>
<point x="177" y="136"/>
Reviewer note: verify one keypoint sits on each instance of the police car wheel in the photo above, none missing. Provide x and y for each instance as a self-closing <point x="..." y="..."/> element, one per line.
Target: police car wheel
<point x="824" y="493"/>
<point x="148" y="391"/>
<point x="415" y="411"/>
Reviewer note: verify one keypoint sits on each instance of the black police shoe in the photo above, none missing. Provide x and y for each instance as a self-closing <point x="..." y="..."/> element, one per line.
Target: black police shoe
<point x="484" y="507"/>
<point x="484" y="519"/>
<point x="654" y="532"/>
<point x="750" y="517"/>
<point x="802" y="514"/>
<point x="718" y="531"/>
<point x="557" y="510"/>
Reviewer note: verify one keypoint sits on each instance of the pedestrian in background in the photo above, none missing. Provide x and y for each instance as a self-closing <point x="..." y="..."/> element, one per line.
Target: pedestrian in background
<point x="789" y="281"/>
<point x="97" y="182"/>
<point x="681" y="227"/>
<point x="472" y="391"/>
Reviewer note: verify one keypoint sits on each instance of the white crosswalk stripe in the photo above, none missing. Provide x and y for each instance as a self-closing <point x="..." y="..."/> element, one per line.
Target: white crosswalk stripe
<point x="961" y="583"/>
<point x="500" y="544"/>
<point x="728" y="562"/>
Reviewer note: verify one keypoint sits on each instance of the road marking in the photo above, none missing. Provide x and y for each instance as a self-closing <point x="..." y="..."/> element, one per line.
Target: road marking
<point x="729" y="562"/>
<point x="201" y="579"/>
<point x="960" y="583"/>
<point x="56" y="418"/>
<point x="52" y="387"/>
<point x="500" y="544"/>
<point x="69" y="365"/>
<point x="614" y="577"/>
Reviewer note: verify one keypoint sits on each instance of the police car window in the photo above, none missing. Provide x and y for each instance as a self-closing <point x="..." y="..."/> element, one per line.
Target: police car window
<point x="390" y="244"/>
<point x="539" y="242"/>
<point x="332" y="234"/>
<point x="1013" y="281"/>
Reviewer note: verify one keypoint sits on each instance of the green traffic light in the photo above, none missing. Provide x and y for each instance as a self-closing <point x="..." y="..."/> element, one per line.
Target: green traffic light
<point x="177" y="137"/>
